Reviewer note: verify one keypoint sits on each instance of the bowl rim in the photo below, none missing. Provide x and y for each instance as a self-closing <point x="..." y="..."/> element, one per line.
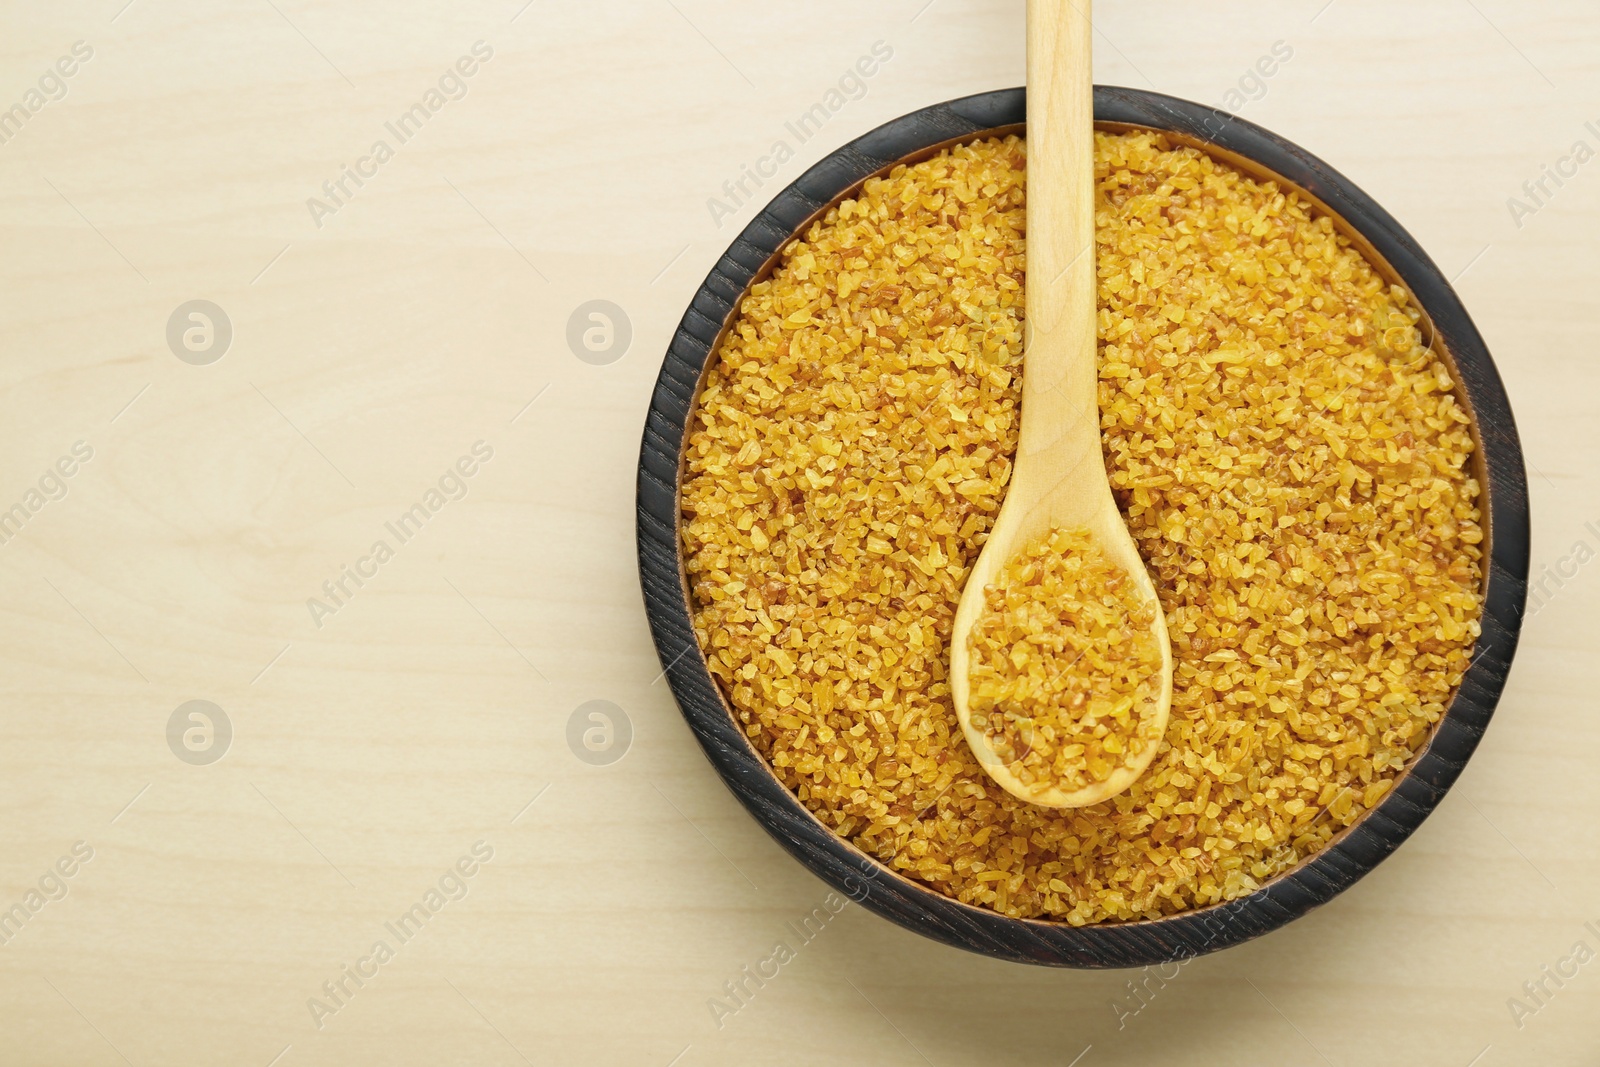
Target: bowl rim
<point x="1351" y="854"/>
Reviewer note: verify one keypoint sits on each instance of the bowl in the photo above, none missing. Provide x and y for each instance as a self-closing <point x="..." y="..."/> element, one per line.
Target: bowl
<point x="1360" y="847"/>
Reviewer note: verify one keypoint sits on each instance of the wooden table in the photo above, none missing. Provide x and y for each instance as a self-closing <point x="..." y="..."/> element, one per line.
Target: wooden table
<point x="407" y="722"/>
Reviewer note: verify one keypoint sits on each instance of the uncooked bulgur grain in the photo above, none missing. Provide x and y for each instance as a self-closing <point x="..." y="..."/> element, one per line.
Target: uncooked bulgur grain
<point x="1065" y="669"/>
<point x="1290" y="459"/>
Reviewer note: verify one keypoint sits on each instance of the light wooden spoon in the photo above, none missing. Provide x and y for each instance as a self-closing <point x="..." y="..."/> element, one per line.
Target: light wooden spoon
<point x="1059" y="477"/>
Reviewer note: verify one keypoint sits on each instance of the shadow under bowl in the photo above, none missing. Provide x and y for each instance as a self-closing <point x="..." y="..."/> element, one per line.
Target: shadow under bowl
<point x="1358" y="849"/>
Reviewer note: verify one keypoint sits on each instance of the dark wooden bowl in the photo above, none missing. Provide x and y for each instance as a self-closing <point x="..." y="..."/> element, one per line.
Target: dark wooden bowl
<point x="913" y="905"/>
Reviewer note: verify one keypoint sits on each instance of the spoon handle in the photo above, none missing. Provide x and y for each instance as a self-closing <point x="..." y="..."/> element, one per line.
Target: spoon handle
<point x="1060" y="429"/>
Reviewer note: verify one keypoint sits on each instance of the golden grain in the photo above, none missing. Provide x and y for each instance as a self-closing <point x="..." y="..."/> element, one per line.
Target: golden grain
<point x="1290" y="459"/>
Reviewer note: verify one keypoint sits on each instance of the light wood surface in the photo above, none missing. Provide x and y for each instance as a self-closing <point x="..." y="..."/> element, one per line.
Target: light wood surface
<point x="1059" y="478"/>
<point x="369" y="755"/>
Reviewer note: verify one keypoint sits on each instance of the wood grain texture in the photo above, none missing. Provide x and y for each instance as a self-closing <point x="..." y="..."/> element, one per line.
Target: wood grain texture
<point x="423" y="316"/>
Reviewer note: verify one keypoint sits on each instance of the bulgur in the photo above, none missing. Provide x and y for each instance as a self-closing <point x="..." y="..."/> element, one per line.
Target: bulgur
<point x="1065" y="670"/>
<point x="1290" y="458"/>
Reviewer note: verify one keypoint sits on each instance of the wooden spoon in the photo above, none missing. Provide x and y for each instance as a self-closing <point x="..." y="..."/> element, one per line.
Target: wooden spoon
<point x="1059" y="476"/>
